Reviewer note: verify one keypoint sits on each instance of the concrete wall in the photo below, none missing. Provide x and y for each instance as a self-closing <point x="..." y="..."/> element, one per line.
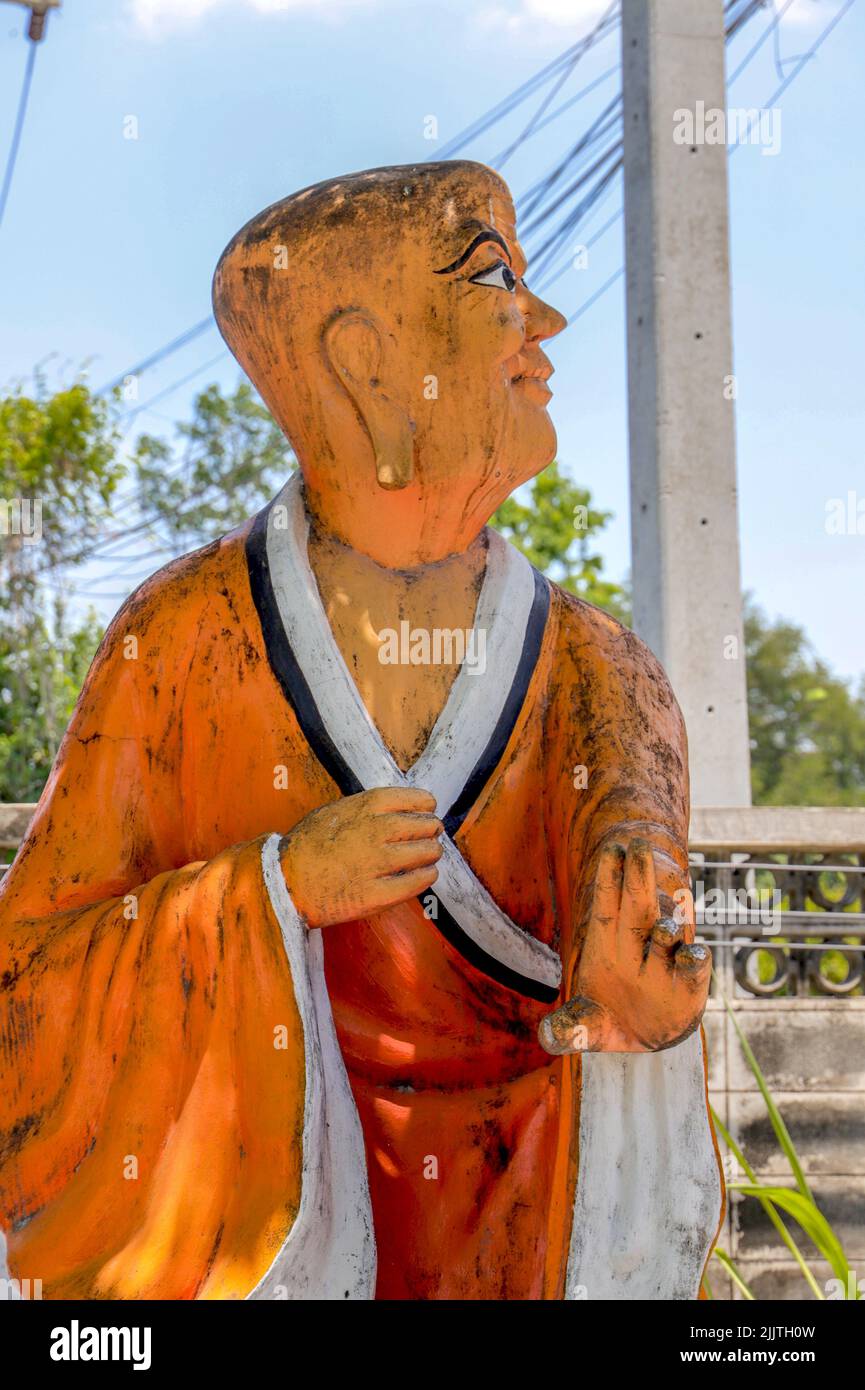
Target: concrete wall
<point x="812" y="1053"/>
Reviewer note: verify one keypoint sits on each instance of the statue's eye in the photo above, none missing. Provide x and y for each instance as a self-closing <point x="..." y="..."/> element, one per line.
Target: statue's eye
<point x="499" y="275"/>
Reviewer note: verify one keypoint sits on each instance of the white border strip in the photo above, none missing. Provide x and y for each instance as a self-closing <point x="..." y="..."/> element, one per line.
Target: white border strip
<point x="475" y="702"/>
<point x="329" y="1253"/>
<point x="481" y="918"/>
<point x="649" y="1195"/>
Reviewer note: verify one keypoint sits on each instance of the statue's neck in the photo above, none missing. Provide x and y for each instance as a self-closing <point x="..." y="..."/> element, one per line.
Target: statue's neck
<point x="365" y="601"/>
<point x="431" y="586"/>
<point x="400" y="531"/>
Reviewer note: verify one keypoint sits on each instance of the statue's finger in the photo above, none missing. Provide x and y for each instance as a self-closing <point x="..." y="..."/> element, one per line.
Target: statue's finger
<point x="667" y="934"/>
<point x="639" y="909"/>
<point x="693" y="962"/>
<point x="569" y="1028"/>
<point x="607" y="896"/>
<point x="640" y="886"/>
<point x="684" y="912"/>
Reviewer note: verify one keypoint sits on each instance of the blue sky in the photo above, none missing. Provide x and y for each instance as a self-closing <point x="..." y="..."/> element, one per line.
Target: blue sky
<point x="109" y="244"/>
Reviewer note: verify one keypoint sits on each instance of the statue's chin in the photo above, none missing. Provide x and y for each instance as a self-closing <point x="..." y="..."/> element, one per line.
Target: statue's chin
<point x="529" y="467"/>
<point x="541" y="455"/>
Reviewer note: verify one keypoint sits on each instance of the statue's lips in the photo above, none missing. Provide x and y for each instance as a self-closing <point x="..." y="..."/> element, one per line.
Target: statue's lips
<point x="534" y="383"/>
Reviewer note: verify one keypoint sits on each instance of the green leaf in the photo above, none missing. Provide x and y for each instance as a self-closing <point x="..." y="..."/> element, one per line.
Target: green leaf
<point x="733" y="1272"/>
<point x="782" y="1134"/>
<point x="805" y="1211"/>
<point x="768" y="1208"/>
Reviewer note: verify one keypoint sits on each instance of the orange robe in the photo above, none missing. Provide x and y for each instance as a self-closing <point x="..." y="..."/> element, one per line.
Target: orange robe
<point x="157" y="1060"/>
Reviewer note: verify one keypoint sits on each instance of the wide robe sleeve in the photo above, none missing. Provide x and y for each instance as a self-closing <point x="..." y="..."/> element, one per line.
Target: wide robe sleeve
<point x="649" y="1194"/>
<point x="620" y="767"/>
<point x="161" y="1070"/>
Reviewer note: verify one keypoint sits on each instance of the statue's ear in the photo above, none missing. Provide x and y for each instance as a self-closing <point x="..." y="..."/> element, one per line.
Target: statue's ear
<point x="354" y="347"/>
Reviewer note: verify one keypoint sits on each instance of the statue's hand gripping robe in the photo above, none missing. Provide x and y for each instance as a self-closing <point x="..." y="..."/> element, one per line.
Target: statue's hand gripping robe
<point x="201" y="1098"/>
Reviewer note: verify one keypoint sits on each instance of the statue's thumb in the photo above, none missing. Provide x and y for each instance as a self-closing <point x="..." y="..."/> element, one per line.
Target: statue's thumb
<point x="572" y="1028"/>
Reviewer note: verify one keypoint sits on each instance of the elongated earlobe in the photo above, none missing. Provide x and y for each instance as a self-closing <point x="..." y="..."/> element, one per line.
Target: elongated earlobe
<point x="353" y="345"/>
<point x="394" y="474"/>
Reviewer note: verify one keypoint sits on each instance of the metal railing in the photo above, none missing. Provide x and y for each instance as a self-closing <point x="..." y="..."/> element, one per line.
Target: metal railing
<point x="779" y="894"/>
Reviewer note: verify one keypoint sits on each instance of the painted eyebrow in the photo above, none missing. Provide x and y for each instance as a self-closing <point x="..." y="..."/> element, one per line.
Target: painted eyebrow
<point x="472" y="248"/>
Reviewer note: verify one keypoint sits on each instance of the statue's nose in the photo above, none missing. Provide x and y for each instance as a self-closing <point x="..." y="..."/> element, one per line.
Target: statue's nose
<point x="542" y="320"/>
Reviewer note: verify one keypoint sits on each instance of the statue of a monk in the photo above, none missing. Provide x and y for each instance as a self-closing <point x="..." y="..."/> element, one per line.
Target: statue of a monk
<point x="349" y="953"/>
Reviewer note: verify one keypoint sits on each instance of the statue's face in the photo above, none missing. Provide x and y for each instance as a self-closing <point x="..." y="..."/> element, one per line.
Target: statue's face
<point x="467" y="334"/>
<point x="400" y="351"/>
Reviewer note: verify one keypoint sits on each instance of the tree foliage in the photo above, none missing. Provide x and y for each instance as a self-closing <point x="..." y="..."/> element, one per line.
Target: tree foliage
<point x="42" y="670"/>
<point x="229" y="459"/>
<point x="554" y="530"/>
<point x="807" y="726"/>
<point x="59" y="468"/>
<point x="59" y="450"/>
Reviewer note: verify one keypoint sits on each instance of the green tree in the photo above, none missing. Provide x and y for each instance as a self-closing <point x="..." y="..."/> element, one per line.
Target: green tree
<point x="41" y="673"/>
<point x="807" y="726"/>
<point x="58" y="472"/>
<point x="554" y="530"/>
<point x="59" y="460"/>
<point x="59" y="469"/>
<point x="232" y="457"/>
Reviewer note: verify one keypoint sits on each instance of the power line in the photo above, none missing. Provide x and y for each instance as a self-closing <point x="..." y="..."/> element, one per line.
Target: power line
<point x="592" y="241"/>
<point x="180" y="341"/>
<point x="551" y="247"/>
<point x="606" y="122"/>
<point x="566" y="61"/>
<point x="99" y="551"/>
<point x="19" y="126"/>
<point x="521" y="94"/>
<point x="175" y="386"/>
<point x="562" y="66"/>
<point x="593" y="299"/>
<point x="770" y="27"/>
<point x="549" y="250"/>
<point x="609" y="120"/>
<point x="803" y="61"/>
<point x="734" y="24"/>
<point x="128" y="499"/>
<point x="496" y="162"/>
<point x="610" y="15"/>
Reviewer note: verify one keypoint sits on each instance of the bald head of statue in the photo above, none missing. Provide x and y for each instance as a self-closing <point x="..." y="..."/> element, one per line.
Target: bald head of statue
<point x="384" y="319"/>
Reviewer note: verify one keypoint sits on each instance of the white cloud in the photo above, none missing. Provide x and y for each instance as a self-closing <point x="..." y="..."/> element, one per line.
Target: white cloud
<point x="155" y="17"/>
<point x="574" y="12"/>
<point x="567" y="12"/>
<point x="526" y="17"/>
<point x="151" y="15"/>
<point x="810" y="12"/>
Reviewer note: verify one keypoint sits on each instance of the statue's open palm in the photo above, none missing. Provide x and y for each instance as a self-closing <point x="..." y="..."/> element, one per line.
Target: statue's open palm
<point x="641" y="983"/>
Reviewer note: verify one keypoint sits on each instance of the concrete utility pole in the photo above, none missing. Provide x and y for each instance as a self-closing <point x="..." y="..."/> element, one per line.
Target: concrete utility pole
<point x="684" y="521"/>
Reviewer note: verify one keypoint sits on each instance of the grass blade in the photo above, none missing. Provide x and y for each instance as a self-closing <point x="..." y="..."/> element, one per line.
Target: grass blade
<point x="733" y="1272"/>
<point x="768" y="1207"/>
<point x="782" y="1134"/>
<point x="805" y="1211"/>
